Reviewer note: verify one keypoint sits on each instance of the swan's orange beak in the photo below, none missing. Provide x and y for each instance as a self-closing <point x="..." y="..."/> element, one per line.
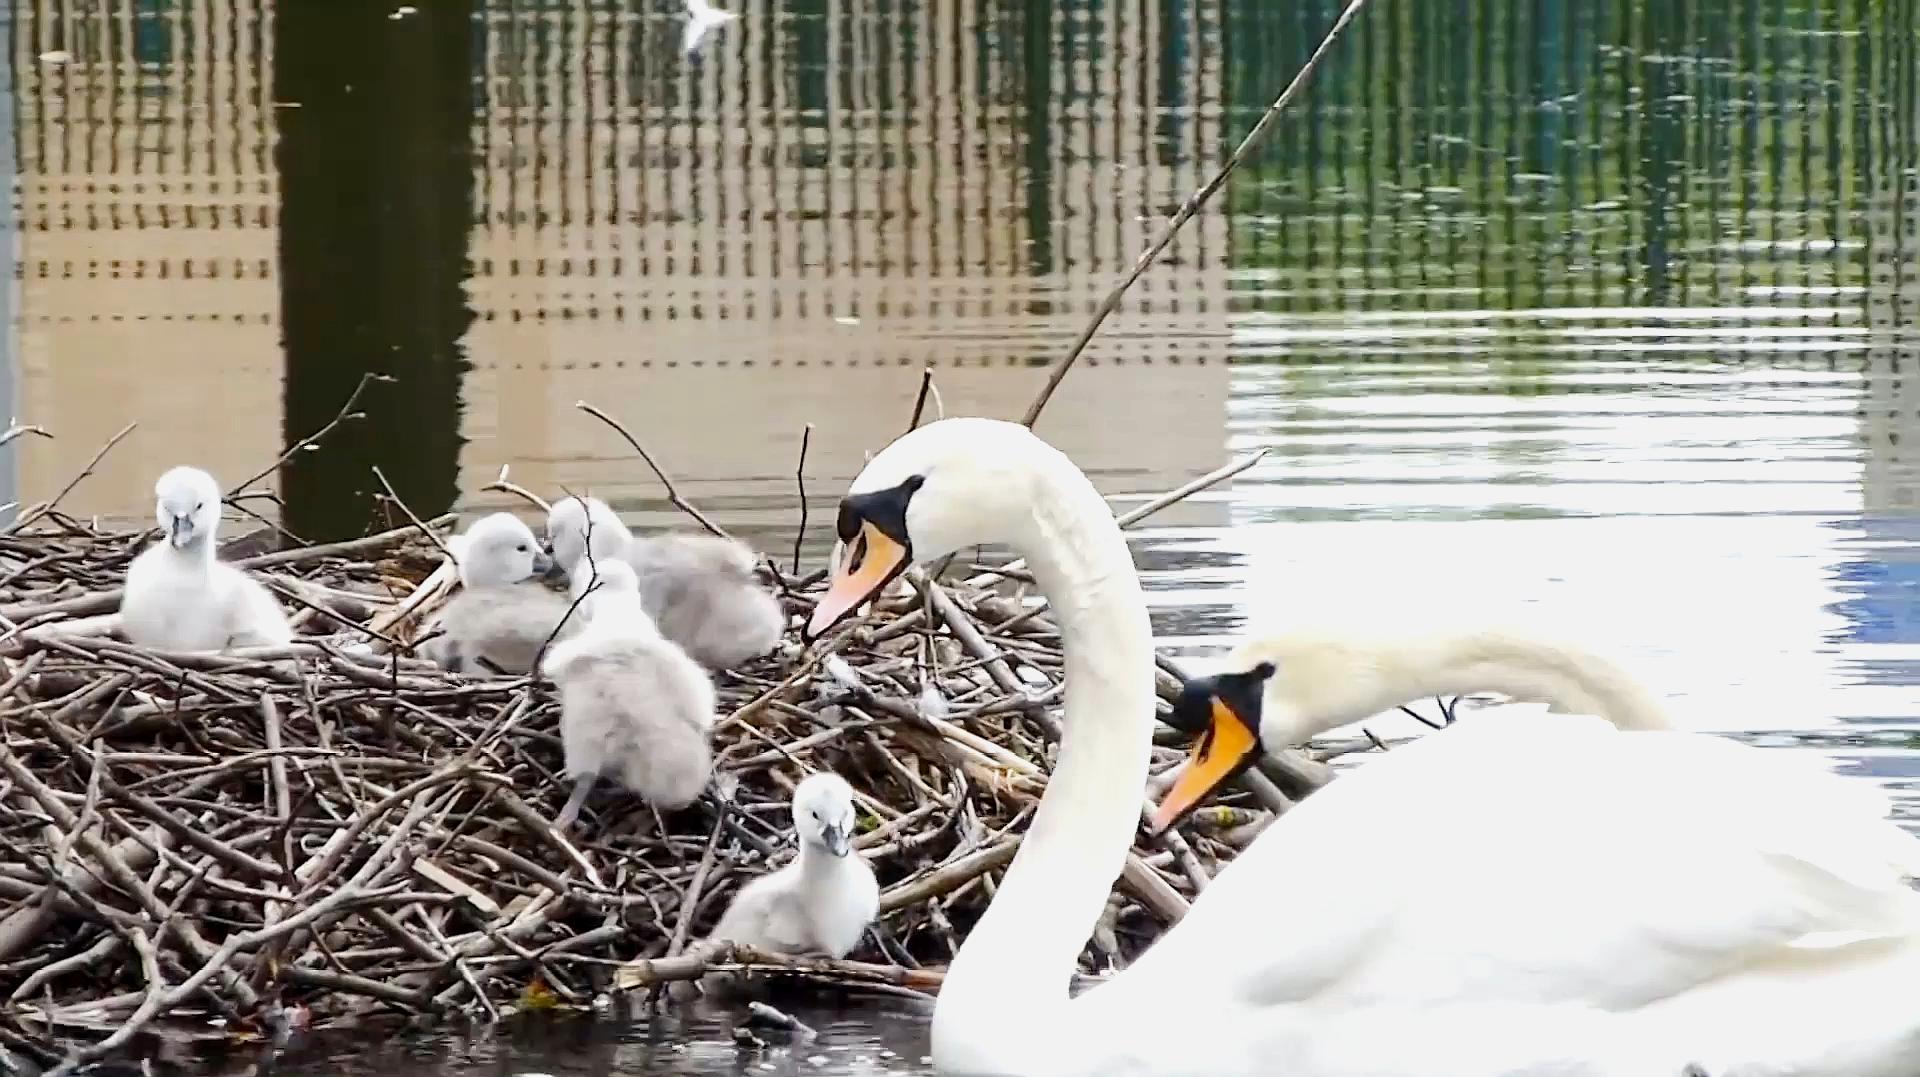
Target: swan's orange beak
<point x="1225" y="748"/>
<point x="871" y="562"/>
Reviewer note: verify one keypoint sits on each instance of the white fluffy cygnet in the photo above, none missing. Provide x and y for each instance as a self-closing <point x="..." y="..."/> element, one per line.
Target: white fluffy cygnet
<point x="821" y="902"/>
<point x="572" y="520"/>
<point x="700" y="589"/>
<point x="633" y="706"/>
<point x="179" y="595"/>
<point x="503" y="615"/>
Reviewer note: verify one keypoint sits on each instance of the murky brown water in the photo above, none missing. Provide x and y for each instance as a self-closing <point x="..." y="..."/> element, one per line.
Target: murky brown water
<point x="1600" y="310"/>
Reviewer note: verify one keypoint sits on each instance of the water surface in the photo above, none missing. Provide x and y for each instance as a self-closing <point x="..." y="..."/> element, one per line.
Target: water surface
<point x="1600" y="312"/>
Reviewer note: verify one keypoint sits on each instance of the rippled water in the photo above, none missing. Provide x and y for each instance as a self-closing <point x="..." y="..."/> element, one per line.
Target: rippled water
<point x="867" y="1038"/>
<point x="1598" y="311"/>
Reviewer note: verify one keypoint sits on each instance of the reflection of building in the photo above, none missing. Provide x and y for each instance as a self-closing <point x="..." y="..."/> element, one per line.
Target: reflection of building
<point x="723" y="254"/>
<point x="148" y="251"/>
<point x="1886" y="577"/>
<point x="835" y="196"/>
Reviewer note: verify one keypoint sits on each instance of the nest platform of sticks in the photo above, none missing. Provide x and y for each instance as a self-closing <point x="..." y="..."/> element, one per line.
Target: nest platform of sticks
<point x="338" y="830"/>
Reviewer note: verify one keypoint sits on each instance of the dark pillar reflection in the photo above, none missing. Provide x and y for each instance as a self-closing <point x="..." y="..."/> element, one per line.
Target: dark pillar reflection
<point x="376" y="198"/>
<point x="1663" y="153"/>
<point x="1037" y="67"/>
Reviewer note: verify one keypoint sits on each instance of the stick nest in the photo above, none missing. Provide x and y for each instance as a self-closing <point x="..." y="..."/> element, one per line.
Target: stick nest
<point x="332" y="832"/>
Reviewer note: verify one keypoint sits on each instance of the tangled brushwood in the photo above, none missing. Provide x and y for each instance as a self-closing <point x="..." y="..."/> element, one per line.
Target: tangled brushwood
<point x="338" y="829"/>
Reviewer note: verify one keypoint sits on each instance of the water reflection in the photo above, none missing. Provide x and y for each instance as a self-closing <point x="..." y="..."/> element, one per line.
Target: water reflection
<point x="1599" y="311"/>
<point x="862" y="1038"/>
<point x="839" y="195"/>
<point x="376" y="194"/>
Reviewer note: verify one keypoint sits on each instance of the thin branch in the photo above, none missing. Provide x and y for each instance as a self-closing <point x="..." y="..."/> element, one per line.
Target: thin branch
<point x="417" y="522"/>
<point x="345" y="414"/>
<point x="45" y="507"/>
<point x="800" y="480"/>
<point x="17" y="430"/>
<point x="149" y="1008"/>
<point x="502" y="484"/>
<point x="1186" y="211"/>
<point x="673" y="494"/>
<point x="920" y="398"/>
<point x="683" y="928"/>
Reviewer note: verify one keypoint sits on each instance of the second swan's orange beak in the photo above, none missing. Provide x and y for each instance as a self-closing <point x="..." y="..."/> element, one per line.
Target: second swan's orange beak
<point x="871" y="561"/>
<point x="1224" y="748"/>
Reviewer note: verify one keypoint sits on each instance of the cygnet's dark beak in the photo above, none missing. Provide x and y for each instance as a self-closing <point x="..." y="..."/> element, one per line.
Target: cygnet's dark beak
<point x="180" y="531"/>
<point x="542" y="564"/>
<point x="838" y="842"/>
<point x="555" y="572"/>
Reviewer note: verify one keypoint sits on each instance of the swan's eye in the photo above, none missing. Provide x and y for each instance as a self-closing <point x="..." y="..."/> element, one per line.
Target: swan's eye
<point x="858" y="554"/>
<point x="198" y="505"/>
<point x="848" y="524"/>
<point x="522" y="548"/>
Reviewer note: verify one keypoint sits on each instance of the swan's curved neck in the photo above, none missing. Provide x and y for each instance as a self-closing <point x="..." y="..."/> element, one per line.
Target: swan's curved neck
<point x="1016" y="965"/>
<point x="1568" y="679"/>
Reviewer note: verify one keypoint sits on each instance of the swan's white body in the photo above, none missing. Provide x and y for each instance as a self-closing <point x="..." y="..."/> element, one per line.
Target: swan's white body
<point x="633" y="706"/>
<point x="1511" y="896"/>
<point x="179" y="596"/>
<point x="823" y="899"/>
<point x="699" y="589"/>
<point x="702" y="17"/>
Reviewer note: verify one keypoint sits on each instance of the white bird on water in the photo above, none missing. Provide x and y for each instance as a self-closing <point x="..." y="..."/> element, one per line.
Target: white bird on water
<point x="702" y="18"/>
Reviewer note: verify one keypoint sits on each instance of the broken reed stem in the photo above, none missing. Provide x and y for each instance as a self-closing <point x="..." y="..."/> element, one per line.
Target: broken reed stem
<point x="1186" y="212"/>
<point x="344" y="415"/>
<point x="673" y="493"/>
<point x="920" y="398"/>
<point x="800" y="480"/>
<point x="16" y="431"/>
<point x="502" y="484"/>
<point x="418" y="523"/>
<point x="31" y="516"/>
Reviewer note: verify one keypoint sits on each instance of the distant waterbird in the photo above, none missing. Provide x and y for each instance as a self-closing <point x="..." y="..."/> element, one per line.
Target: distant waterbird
<point x="702" y="19"/>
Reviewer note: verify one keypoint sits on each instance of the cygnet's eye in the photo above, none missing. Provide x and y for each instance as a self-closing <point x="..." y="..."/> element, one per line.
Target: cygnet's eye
<point x="198" y="505"/>
<point x="522" y="548"/>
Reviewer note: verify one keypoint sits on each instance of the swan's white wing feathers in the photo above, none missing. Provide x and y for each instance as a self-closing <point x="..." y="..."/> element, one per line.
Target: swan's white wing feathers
<point x="1531" y="860"/>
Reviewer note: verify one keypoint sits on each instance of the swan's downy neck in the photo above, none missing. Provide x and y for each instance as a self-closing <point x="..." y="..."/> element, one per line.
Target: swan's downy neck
<point x="197" y="553"/>
<point x="1013" y="973"/>
<point x="818" y="865"/>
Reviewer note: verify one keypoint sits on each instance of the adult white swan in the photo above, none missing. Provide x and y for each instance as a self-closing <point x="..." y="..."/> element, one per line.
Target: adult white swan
<point x="1493" y="900"/>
